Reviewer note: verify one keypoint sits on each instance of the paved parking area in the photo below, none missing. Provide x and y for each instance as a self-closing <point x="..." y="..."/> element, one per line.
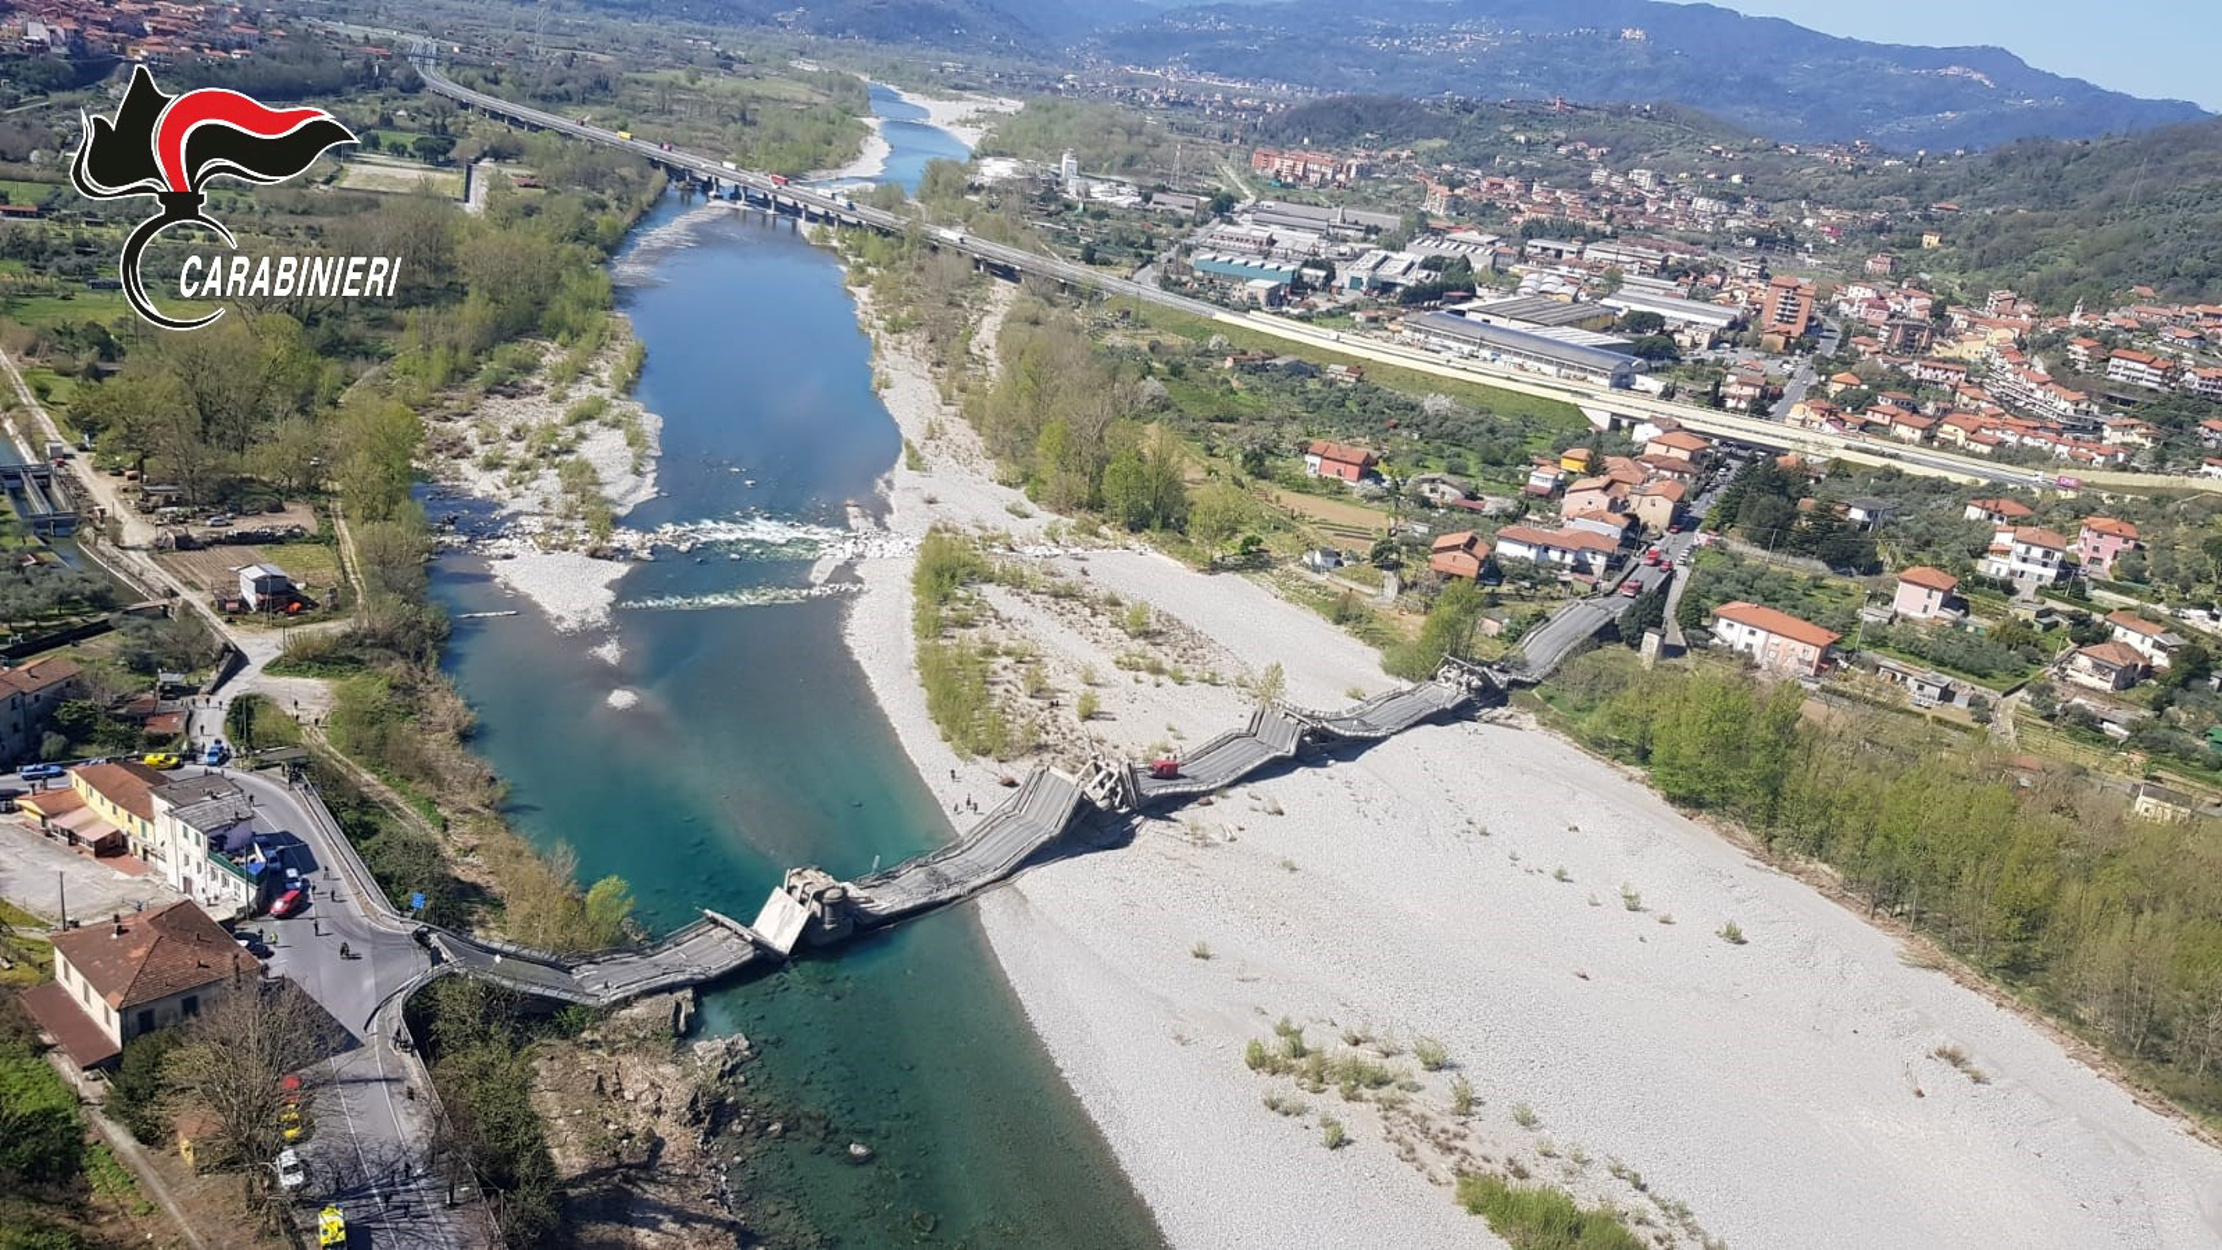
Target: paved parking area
<point x="36" y="871"/>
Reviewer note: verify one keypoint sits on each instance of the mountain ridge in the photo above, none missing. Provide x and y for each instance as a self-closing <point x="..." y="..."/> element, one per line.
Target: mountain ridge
<point x="1766" y="73"/>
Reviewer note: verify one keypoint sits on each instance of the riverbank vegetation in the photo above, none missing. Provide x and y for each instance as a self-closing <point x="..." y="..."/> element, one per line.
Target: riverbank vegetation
<point x="956" y="658"/>
<point x="319" y="401"/>
<point x="2043" y="882"/>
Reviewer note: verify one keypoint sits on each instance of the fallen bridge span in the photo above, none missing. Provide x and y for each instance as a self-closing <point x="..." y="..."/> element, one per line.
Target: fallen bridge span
<point x="812" y="907"/>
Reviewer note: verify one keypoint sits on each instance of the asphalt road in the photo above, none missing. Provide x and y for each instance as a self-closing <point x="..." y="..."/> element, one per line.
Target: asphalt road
<point x="1548" y="644"/>
<point x="372" y="1114"/>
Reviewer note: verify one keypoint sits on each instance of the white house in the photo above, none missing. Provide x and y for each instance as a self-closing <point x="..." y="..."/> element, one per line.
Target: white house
<point x="2151" y="639"/>
<point x="265" y="585"/>
<point x="2026" y="553"/>
<point x="206" y="827"/>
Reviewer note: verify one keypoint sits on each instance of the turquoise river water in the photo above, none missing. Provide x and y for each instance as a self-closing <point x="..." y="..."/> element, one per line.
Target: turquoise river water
<point x="755" y="745"/>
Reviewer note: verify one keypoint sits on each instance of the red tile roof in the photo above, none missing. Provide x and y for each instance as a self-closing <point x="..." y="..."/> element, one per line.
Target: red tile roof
<point x="2038" y="536"/>
<point x="2007" y="508"/>
<point x="1564" y="540"/>
<point x="1933" y="579"/>
<point x="2126" y="619"/>
<point x="125" y="783"/>
<point x="2108" y="525"/>
<point x="1340" y="453"/>
<point x="1780" y="624"/>
<point x="157" y="953"/>
<point x="2114" y="655"/>
<point x="78" y="1034"/>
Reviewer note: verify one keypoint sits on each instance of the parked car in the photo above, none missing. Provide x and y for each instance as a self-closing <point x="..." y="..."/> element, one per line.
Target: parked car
<point x="216" y="754"/>
<point x="289" y="903"/>
<point x="331" y="1227"/>
<point x="292" y="1173"/>
<point x="253" y="944"/>
<point x="290" y="1123"/>
<point x="39" y="772"/>
<point x="161" y="759"/>
<point x="220" y="520"/>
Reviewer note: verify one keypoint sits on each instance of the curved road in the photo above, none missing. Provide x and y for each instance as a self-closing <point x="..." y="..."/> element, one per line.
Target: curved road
<point x="1591" y="398"/>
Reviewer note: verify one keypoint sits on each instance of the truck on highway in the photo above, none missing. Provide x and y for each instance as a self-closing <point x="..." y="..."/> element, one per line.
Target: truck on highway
<point x="626" y="135"/>
<point x="730" y="165"/>
<point x="779" y="180"/>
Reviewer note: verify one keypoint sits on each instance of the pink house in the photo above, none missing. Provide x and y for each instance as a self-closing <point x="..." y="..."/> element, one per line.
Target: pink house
<point x="1923" y="593"/>
<point x="2102" y="541"/>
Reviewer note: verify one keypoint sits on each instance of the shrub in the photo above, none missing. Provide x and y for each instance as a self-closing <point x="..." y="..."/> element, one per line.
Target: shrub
<point x="1630" y="899"/>
<point x="1332" y="1134"/>
<point x="1200" y="950"/>
<point x="1432" y="1054"/>
<point x="1542" y="1217"/>
<point x="1525" y="1116"/>
<point x="1461" y="1096"/>
<point x="1732" y="933"/>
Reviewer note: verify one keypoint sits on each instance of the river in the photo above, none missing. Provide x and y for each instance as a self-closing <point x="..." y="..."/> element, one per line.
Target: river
<point x="750" y="742"/>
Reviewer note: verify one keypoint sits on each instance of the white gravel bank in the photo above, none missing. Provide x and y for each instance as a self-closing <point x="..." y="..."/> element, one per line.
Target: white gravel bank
<point x="1785" y="1089"/>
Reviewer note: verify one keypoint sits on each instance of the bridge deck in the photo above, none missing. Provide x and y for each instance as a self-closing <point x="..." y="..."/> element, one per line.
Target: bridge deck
<point x="706" y="950"/>
<point x="1392" y="713"/>
<point x="993" y="849"/>
<point x="1272" y="734"/>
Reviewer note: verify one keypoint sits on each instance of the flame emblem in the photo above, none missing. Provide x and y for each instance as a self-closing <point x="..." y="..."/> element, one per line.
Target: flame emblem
<point x="171" y="147"/>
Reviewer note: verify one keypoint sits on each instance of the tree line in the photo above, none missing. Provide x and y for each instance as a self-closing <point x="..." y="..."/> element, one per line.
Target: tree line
<point x="2110" y="921"/>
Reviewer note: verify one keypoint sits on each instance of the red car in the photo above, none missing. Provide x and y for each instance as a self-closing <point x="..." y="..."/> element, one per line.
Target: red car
<point x="289" y="902"/>
<point x="1632" y="587"/>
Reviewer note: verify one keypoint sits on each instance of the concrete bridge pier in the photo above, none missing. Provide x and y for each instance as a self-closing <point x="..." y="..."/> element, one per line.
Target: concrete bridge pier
<point x="832" y="911"/>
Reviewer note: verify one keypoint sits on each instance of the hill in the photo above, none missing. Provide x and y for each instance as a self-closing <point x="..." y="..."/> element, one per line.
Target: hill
<point x="2061" y="220"/>
<point x="1767" y="74"/>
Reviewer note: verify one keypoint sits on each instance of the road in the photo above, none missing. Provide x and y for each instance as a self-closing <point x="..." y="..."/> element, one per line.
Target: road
<point x="1547" y="645"/>
<point x="371" y="1109"/>
<point x="1593" y="399"/>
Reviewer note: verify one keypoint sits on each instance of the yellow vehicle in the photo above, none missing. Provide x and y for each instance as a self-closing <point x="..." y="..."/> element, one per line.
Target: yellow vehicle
<point x="625" y="134"/>
<point x="161" y="759"/>
<point x="331" y="1227"/>
<point x="290" y="1123"/>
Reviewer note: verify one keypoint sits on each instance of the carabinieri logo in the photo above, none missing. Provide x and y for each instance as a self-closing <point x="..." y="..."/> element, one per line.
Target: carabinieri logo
<point x="170" y="147"/>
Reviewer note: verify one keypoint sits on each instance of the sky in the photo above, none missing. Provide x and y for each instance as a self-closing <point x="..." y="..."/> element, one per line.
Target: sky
<point x="2165" y="49"/>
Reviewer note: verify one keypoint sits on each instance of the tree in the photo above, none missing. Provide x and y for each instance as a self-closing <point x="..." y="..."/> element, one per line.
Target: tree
<point x="1642" y="322"/>
<point x="229" y="1061"/>
<point x="1219" y="516"/>
<point x="1447" y="631"/>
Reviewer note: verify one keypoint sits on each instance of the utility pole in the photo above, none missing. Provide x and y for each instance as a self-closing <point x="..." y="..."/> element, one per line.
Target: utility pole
<point x="61" y="887"/>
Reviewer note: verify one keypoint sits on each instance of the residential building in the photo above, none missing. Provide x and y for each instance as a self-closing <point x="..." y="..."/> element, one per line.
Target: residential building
<point x="2105" y="666"/>
<point x="1924" y="594"/>
<point x="1580" y="550"/>
<point x="2026" y="553"/>
<point x="1592" y="494"/>
<point x="2158" y="802"/>
<point x="2154" y="373"/>
<point x="1744" y="389"/>
<point x="265" y="586"/>
<point x="120" y="794"/>
<point x="1458" y="555"/>
<point x="1786" y="308"/>
<point x="2151" y="639"/>
<point x="1776" y="641"/>
<point x="116" y="981"/>
<point x="2103" y="540"/>
<point x="1999" y="511"/>
<point x="31" y="691"/>
<point x="1348" y="464"/>
<point x="205" y="826"/>
<point x="1657" y="505"/>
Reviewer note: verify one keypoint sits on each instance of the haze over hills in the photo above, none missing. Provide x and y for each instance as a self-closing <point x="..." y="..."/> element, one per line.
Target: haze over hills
<point x="1766" y="74"/>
